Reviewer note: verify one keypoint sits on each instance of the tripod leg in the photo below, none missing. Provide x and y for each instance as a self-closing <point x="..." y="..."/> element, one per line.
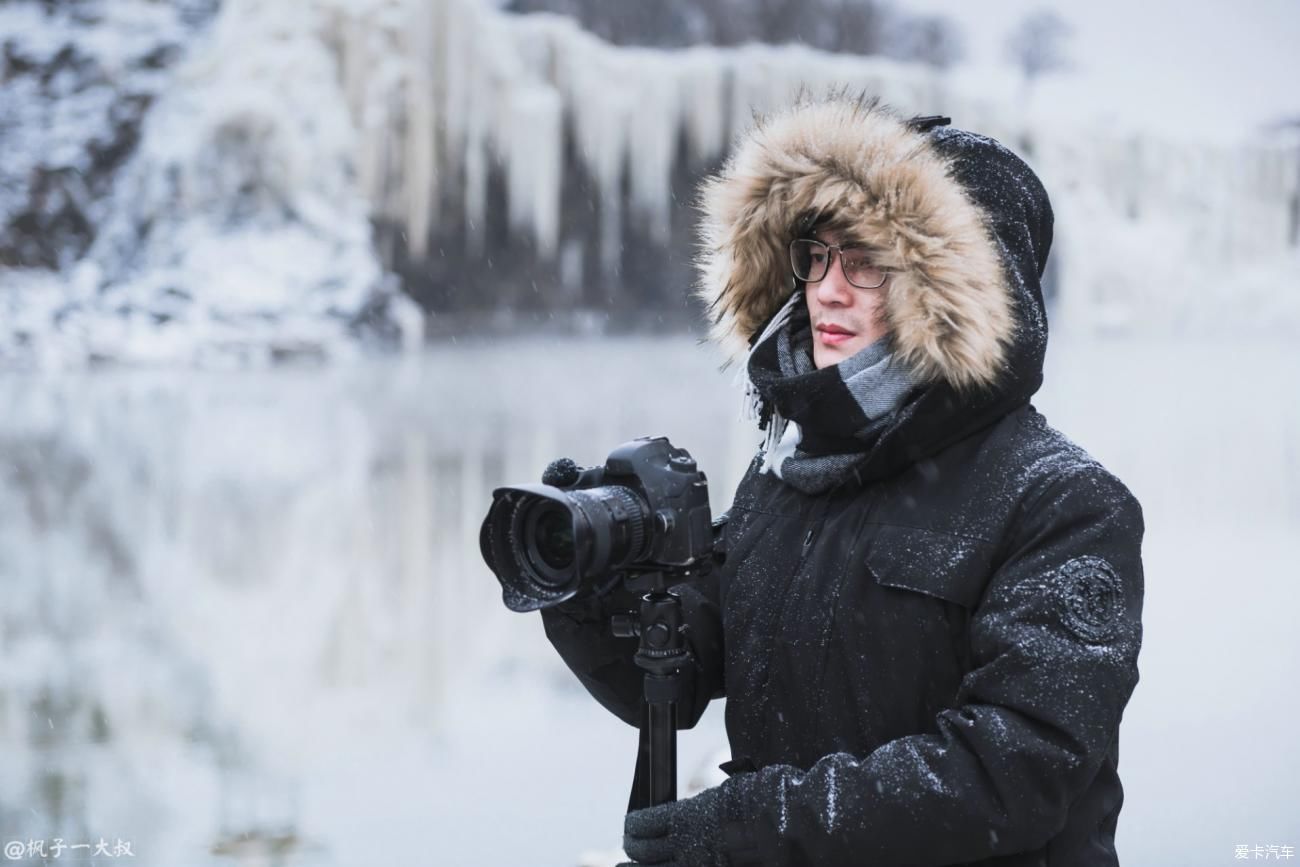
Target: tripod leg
<point x="663" y="752"/>
<point x="655" y="779"/>
<point x="640" y="797"/>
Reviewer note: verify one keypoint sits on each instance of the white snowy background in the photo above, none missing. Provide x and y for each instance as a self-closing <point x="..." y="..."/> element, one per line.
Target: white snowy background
<point x="244" y="619"/>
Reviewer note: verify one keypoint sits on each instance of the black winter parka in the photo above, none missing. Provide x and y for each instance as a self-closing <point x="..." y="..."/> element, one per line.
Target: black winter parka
<point x="927" y="665"/>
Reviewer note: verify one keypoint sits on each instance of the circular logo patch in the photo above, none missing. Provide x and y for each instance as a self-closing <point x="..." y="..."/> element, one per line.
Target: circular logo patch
<point x="1092" y="598"/>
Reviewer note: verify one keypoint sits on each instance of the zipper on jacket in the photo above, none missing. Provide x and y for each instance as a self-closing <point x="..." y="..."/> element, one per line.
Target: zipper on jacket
<point x="815" y="518"/>
<point x="816" y="515"/>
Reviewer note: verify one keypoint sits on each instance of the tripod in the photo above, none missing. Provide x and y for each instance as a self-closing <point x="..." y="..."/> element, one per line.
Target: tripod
<point x="661" y="654"/>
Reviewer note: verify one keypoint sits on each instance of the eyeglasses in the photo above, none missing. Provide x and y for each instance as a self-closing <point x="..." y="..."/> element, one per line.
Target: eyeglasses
<point x="810" y="260"/>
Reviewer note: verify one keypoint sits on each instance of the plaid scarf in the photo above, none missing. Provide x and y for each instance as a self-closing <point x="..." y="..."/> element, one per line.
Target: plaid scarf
<point x="820" y="424"/>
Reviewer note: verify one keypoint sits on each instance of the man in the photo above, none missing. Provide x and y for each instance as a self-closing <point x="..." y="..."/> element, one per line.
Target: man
<point x="928" y="623"/>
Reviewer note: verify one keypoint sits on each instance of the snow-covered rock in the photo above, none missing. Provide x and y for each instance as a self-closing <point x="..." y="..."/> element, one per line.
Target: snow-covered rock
<point x="233" y="232"/>
<point x="77" y="79"/>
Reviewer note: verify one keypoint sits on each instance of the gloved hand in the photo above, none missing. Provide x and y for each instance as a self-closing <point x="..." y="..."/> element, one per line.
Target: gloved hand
<point x="679" y="834"/>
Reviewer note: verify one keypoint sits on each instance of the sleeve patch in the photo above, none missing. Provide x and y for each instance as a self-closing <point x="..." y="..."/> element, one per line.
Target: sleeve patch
<point x="1091" y="598"/>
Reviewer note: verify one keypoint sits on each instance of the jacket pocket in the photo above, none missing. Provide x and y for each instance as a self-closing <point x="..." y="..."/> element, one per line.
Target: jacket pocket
<point x="899" y="644"/>
<point x="952" y="568"/>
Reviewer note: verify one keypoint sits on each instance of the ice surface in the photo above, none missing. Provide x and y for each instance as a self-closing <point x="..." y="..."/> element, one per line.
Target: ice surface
<point x="244" y="602"/>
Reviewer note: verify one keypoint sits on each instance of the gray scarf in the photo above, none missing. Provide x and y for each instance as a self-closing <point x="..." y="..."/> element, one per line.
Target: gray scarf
<point x="847" y="404"/>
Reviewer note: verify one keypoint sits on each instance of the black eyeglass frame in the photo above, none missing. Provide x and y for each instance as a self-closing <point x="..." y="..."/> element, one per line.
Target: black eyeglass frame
<point x="884" y="273"/>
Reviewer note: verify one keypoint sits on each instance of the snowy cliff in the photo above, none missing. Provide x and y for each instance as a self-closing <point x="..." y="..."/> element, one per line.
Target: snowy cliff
<point x="179" y="185"/>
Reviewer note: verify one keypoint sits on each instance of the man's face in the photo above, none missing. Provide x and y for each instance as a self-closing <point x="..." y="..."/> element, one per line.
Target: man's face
<point x="845" y="318"/>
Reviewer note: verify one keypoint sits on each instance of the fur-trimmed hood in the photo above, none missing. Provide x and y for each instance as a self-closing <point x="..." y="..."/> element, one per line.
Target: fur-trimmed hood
<point x="961" y="222"/>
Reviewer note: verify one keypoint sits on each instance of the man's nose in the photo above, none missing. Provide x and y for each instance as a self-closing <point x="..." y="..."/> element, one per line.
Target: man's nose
<point x="834" y="288"/>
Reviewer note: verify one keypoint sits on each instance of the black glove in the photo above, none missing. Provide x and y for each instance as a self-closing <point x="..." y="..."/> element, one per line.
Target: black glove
<point x="679" y="834"/>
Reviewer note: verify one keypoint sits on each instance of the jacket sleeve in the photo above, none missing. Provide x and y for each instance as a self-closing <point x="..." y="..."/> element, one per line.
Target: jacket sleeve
<point x="580" y="631"/>
<point x="1054" y="645"/>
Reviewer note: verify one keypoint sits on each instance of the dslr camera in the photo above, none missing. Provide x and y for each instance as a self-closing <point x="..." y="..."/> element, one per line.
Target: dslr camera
<point x="645" y="512"/>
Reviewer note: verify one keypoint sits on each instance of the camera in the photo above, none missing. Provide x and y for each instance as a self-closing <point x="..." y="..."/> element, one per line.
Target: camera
<point x="645" y="511"/>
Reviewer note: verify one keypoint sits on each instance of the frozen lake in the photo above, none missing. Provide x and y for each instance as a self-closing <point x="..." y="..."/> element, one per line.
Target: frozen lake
<point x="250" y="606"/>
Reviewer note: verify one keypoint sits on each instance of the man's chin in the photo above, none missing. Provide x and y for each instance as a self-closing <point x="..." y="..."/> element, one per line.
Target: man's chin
<point x="825" y="356"/>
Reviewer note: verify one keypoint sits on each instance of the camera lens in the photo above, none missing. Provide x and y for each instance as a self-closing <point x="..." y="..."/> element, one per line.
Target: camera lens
<point x="546" y="545"/>
<point x="572" y="536"/>
<point x="620" y="518"/>
<point x="550" y="535"/>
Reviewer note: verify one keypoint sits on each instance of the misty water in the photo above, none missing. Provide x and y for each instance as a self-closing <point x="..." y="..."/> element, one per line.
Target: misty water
<point x="245" y="620"/>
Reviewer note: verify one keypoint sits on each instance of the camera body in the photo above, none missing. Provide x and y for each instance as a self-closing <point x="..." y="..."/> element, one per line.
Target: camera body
<point x="646" y="510"/>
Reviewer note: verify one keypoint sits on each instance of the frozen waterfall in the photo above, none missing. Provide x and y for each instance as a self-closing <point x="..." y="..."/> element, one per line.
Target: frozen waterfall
<point x="1149" y="227"/>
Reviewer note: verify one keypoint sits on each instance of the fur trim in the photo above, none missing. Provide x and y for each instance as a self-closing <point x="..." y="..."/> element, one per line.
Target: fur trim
<point x="948" y="308"/>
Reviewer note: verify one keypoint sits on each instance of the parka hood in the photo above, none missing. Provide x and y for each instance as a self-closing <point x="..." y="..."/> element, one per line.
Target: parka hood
<point x="962" y="223"/>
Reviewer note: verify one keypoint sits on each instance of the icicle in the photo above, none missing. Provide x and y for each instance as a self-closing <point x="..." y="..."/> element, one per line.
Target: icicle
<point x="533" y="164"/>
<point x="592" y="78"/>
<point x="652" y="142"/>
<point x="702" y="95"/>
<point x="420" y="156"/>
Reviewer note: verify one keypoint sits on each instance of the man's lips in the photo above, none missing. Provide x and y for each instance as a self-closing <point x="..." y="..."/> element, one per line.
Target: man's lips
<point x="833" y="335"/>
